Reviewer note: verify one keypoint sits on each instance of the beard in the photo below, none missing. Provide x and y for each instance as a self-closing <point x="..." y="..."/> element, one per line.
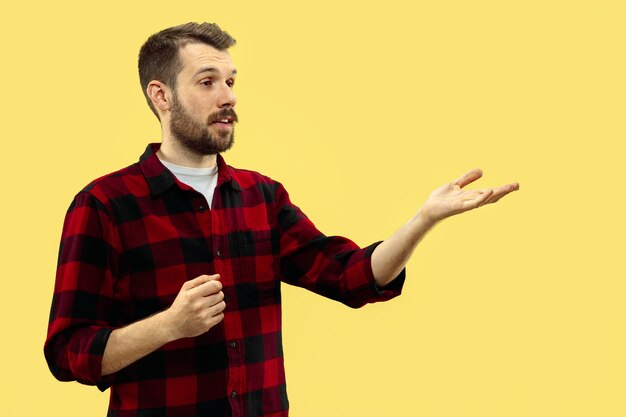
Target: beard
<point x="195" y="136"/>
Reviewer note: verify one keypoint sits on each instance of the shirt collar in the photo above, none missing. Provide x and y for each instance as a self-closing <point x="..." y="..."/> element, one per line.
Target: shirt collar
<point x="160" y="178"/>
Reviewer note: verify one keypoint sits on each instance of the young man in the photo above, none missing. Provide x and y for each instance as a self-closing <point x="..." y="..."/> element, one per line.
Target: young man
<point x="168" y="282"/>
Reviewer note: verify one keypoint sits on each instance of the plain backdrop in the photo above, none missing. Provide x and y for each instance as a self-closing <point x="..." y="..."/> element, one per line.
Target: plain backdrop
<point x="360" y="109"/>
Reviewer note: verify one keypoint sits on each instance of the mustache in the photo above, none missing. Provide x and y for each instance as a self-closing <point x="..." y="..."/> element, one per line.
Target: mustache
<point x="223" y="114"/>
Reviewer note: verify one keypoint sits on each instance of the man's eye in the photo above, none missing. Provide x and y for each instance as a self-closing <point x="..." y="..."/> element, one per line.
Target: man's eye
<point x="206" y="82"/>
<point x="230" y="83"/>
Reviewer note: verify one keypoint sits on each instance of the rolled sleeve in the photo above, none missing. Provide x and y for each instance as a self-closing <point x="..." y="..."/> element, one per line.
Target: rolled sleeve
<point x="366" y="290"/>
<point x="80" y="315"/>
<point x="332" y="266"/>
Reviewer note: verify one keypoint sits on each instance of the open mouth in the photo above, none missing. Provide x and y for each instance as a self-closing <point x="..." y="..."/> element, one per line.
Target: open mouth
<point x="225" y="122"/>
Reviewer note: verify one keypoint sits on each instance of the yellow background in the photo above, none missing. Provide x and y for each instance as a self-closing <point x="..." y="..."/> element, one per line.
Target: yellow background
<point x="360" y="109"/>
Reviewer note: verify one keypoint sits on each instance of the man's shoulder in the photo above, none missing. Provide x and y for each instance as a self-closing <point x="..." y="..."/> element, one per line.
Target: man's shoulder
<point x="250" y="179"/>
<point x="257" y="186"/>
<point x="125" y="181"/>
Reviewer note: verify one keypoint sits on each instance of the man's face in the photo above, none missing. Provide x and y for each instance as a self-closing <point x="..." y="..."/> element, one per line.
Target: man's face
<point x="202" y="117"/>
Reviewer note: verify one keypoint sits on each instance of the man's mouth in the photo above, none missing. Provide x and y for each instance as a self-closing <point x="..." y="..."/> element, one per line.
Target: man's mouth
<point x="227" y="121"/>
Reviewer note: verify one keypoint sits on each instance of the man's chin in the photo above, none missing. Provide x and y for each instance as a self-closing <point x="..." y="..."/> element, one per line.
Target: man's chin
<point x="220" y="144"/>
<point x="224" y="143"/>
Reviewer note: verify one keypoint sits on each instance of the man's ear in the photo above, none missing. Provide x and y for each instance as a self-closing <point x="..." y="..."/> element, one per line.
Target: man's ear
<point x="160" y="95"/>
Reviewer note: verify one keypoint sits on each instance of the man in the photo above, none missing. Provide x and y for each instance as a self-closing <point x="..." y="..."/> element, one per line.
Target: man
<point x="168" y="281"/>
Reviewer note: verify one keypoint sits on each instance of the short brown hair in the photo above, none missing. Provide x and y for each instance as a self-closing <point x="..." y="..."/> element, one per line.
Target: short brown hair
<point x="159" y="58"/>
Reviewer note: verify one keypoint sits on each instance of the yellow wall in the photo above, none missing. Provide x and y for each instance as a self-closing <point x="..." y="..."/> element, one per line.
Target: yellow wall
<point x="360" y="110"/>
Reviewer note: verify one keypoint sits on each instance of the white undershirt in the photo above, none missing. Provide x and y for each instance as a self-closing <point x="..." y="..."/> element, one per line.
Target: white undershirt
<point x="203" y="180"/>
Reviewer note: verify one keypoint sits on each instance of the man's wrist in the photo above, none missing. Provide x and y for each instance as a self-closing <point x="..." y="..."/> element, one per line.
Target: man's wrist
<point x="165" y="332"/>
<point x="424" y="220"/>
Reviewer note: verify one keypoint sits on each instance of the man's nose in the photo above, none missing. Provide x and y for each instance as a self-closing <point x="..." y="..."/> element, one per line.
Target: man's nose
<point x="227" y="97"/>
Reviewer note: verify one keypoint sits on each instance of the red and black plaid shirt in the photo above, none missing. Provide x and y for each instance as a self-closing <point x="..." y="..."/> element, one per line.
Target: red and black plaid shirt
<point x="132" y="238"/>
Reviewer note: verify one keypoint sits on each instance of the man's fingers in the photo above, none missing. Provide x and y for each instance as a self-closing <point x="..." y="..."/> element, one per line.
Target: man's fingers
<point x="193" y="283"/>
<point x="217" y="308"/>
<point x="205" y="289"/>
<point x="476" y="198"/>
<point x="500" y="192"/>
<point x="214" y="299"/>
<point x="468" y="177"/>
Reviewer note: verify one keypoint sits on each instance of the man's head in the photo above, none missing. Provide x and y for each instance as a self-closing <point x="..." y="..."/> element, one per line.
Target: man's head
<point x="187" y="76"/>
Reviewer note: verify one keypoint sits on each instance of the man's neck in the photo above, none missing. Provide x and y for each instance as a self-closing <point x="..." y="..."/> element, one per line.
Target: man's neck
<point x="178" y="155"/>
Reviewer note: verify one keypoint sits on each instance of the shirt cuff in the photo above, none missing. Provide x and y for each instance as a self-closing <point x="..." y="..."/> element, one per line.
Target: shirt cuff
<point x="85" y="353"/>
<point x="98" y="346"/>
<point x="370" y="292"/>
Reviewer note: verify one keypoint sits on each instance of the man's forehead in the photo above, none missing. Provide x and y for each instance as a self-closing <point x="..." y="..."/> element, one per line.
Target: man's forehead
<point x="195" y="56"/>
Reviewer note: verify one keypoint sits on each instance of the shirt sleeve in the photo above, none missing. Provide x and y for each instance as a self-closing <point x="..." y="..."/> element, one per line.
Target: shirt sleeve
<point x="332" y="266"/>
<point x="80" y="315"/>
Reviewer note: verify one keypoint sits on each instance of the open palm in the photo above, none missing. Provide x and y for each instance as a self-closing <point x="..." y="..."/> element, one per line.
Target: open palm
<point x="451" y="199"/>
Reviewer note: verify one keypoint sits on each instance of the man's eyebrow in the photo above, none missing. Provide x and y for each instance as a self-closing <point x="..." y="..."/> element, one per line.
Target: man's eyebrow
<point x="214" y="70"/>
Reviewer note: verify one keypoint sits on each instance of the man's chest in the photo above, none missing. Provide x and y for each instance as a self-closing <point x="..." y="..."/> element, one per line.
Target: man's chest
<point x="165" y="242"/>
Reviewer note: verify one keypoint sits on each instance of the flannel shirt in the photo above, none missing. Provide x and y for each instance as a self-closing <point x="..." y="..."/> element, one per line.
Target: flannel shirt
<point x="133" y="237"/>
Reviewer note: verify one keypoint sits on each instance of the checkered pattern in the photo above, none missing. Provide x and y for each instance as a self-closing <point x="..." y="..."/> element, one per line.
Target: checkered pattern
<point x="132" y="238"/>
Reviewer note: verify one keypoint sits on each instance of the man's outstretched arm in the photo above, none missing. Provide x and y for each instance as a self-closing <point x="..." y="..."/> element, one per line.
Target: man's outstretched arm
<point x="390" y="257"/>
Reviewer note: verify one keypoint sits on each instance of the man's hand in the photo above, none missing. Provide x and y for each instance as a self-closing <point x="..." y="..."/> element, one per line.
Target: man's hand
<point x="198" y="306"/>
<point x="392" y="255"/>
<point x="452" y="199"/>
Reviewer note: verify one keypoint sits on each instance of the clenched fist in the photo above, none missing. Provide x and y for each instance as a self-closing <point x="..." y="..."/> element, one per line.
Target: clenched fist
<point x="198" y="306"/>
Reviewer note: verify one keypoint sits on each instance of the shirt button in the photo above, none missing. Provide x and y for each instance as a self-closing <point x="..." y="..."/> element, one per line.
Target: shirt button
<point x="233" y="344"/>
<point x="233" y="395"/>
<point x="219" y="254"/>
<point x="201" y="209"/>
<point x="226" y="298"/>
